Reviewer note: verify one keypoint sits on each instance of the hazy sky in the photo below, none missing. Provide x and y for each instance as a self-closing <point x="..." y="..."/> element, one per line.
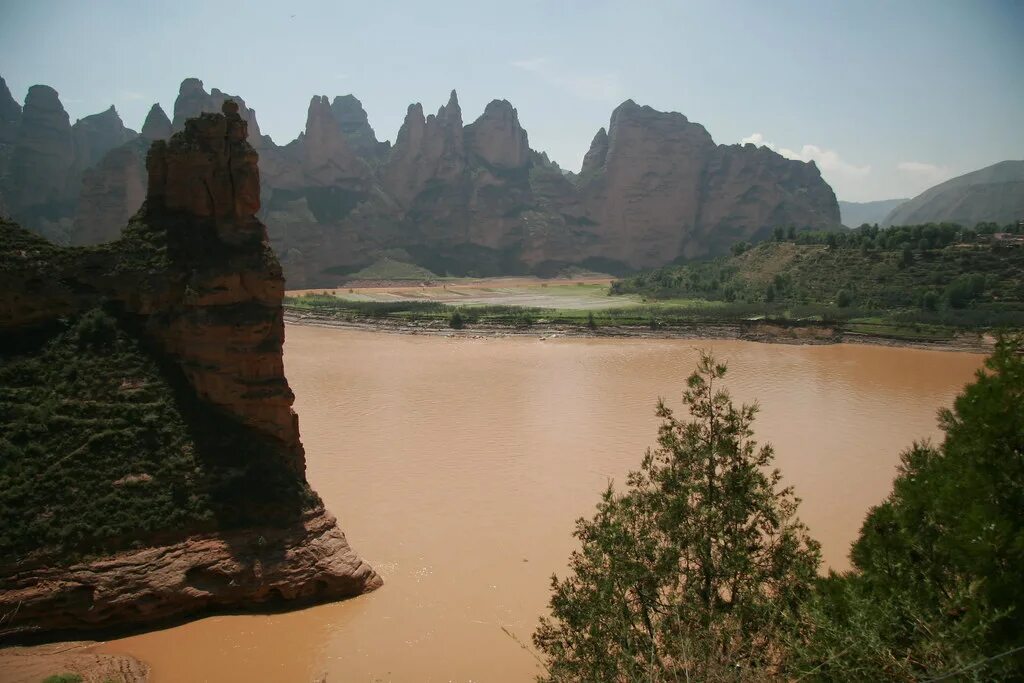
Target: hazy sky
<point x="888" y="97"/>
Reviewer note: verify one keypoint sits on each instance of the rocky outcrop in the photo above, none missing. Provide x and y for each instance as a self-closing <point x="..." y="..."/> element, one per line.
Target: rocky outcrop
<point x="10" y="115"/>
<point x="428" y="149"/>
<point x="497" y="139"/>
<point x="193" y="100"/>
<point x="39" y="193"/>
<point x="355" y="126"/>
<point x="157" y="126"/>
<point x="992" y="194"/>
<point x="596" y="155"/>
<point x="111" y="192"/>
<point x="195" y="274"/>
<point x="96" y="135"/>
<point x="475" y="199"/>
<point x="269" y="566"/>
<point x="112" y="189"/>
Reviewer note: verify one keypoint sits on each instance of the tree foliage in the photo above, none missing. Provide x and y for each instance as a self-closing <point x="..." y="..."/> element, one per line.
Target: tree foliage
<point x="937" y="582"/>
<point x="692" y="572"/>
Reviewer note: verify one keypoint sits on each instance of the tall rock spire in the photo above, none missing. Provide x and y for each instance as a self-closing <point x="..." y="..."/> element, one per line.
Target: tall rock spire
<point x="157" y="126"/>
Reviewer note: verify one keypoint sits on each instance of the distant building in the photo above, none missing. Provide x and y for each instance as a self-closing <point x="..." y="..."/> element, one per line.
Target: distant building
<point x="1008" y="239"/>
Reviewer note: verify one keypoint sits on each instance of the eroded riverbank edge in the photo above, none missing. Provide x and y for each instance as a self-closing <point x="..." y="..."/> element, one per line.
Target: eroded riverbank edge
<point x="754" y="331"/>
<point x="262" y="570"/>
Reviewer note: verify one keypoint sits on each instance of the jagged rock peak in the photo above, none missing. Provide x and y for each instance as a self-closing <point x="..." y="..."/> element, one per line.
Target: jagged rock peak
<point x="9" y="107"/>
<point x="208" y="171"/>
<point x="597" y="154"/>
<point x="193" y="100"/>
<point x="10" y="114"/>
<point x="629" y="108"/>
<point x="355" y="125"/>
<point x="107" y="122"/>
<point x="497" y="138"/>
<point x="157" y="126"/>
<point x="451" y="113"/>
<point x="43" y="97"/>
<point x="44" y="152"/>
<point x="97" y="134"/>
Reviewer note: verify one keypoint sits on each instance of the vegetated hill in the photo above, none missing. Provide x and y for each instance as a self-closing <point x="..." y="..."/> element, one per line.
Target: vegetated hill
<point x="459" y="198"/>
<point x="992" y="194"/>
<point x="925" y="273"/>
<point x="144" y="411"/>
<point x="856" y="214"/>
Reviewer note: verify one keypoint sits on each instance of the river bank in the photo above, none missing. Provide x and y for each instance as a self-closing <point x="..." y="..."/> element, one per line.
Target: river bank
<point x="769" y="332"/>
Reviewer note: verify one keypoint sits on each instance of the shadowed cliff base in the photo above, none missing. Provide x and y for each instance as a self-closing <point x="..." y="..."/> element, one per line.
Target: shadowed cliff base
<point x="150" y="461"/>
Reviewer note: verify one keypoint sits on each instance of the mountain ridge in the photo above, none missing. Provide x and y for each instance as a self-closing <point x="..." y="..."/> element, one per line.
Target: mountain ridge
<point x="473" y="197"/>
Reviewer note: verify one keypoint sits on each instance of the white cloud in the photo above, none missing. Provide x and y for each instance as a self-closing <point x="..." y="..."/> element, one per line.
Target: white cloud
<point x="130" y="96"/>
<point x="843" y="176"/>
<point x="605" y="87"/>
<point x="931" y="172"/>
<point x="757" y="139"/>
<point x="918" y="176"/>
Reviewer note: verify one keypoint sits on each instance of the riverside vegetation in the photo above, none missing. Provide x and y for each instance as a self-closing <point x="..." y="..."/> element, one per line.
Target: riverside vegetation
<point x="700" y="570"/>
<point x="913" y="283"/>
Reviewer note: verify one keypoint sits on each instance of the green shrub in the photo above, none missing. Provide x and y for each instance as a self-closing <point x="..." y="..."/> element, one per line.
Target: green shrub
<point x="693" y="572"/>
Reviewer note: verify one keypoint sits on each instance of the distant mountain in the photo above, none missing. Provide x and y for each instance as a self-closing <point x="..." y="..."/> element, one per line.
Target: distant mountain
<point x="992" y="194"/>
<point x="450" y="196"/>
<point x="856" y="214"/>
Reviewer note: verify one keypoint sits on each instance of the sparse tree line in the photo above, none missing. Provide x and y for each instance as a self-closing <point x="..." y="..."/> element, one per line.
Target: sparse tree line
<point x="700" y="570"/>
<point x="928" y="269"/>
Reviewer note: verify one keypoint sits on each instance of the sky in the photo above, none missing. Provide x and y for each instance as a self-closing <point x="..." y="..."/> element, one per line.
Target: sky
<point x="888" y="98"/>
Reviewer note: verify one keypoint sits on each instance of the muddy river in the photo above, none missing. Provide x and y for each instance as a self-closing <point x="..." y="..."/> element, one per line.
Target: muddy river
<point x="457" y="466"/>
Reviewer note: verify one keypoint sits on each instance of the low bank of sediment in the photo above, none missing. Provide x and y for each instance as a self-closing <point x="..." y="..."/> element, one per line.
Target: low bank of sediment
<point x="757" y="331"/>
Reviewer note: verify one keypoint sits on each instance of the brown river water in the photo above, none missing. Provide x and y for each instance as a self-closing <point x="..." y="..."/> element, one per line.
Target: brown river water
<point x="456" y="467"/>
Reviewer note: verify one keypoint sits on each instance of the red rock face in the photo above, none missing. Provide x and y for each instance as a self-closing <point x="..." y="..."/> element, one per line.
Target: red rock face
<point x="195" y="273"/>
<point x="463" y="199"/>
<point x="226" y="328"/>
<point x="213" y="301"/>
<point x="497" y="139"/>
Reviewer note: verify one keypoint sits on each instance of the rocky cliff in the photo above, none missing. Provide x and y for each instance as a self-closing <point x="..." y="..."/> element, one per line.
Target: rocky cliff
<point x="474" y="198"/>
<point x="190" y="297"/>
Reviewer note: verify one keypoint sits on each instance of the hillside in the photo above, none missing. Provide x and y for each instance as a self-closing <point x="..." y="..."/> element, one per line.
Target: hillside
<point x="937" y="274"/>
<point x="150" y="461"/>
<point x="992" y="194"/>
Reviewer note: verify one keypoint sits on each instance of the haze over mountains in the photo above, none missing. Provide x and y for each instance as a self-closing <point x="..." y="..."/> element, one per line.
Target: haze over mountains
<point x="461" y="198"/>
<point x="855" y="214"/>
<point x="991" y="194"/>
<point x="454" y="197"/>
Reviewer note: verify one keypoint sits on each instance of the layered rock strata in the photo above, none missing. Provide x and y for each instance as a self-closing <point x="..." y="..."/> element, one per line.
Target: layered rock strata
<point x="195" y="273"/>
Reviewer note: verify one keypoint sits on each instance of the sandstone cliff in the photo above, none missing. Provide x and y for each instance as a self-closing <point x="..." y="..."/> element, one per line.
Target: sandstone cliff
<point x="195" y="282"/>
<point x="355" y="126"/>
<point x="157" y="126"/>
<point x="471" y="198"/>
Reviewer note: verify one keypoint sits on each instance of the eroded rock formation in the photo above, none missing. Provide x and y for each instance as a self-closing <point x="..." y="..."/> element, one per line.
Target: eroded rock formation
<point x="196" y="275"/>
<point x="475" y="198"/>
<point x="157" y="126"/>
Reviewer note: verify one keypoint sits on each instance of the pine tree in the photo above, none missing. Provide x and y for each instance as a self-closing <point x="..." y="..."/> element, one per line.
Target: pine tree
<point x="691" y="573"/>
